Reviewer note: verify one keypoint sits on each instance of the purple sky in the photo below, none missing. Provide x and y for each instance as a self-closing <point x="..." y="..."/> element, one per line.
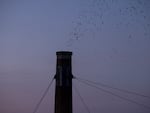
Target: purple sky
<point x="110" y="41"/>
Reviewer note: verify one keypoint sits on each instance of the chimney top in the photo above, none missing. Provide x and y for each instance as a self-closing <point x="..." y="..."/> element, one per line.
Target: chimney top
<point x="63" y="53"/>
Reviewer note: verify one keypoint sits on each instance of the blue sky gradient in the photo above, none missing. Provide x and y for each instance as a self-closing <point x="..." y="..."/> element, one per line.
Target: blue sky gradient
<point x="110" y="41"/>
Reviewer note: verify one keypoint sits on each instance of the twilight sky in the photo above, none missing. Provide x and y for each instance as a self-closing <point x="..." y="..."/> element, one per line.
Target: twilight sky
<point x="110" y="41"/>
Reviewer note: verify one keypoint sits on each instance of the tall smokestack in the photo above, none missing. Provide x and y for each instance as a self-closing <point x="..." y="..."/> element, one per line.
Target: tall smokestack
<point x="63" y="88"/>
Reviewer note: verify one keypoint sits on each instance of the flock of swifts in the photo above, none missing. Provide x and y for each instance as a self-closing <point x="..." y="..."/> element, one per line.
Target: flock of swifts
<point x="92" y="18"/>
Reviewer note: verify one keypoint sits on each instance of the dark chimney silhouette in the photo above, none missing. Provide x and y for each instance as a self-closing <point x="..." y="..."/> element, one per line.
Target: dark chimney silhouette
<point x="63" y="88"/>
